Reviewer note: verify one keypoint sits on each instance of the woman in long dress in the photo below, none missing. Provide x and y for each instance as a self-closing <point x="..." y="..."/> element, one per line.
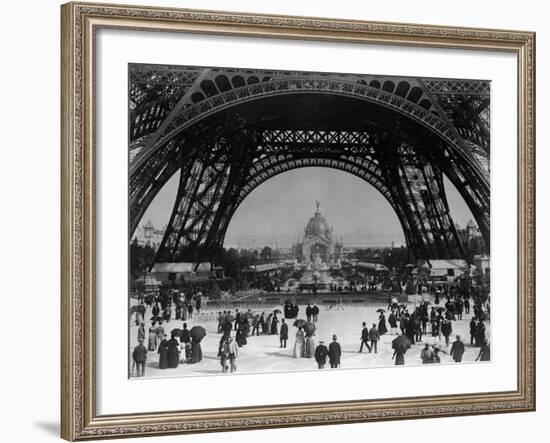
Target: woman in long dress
<point x="196" y="351"/>
<point x="274" y="323"/>
<point x="163" y="354"/>
<point x="299" y="344"/>
<point x="309" y="350"/>
<point x="240" y="337"/>
<point x="173" y="353"/>
<point x="153" y="340"/>
<point x="399" y="355"/>
<point x="382" y="328"/>
<point x="268" y="324"/>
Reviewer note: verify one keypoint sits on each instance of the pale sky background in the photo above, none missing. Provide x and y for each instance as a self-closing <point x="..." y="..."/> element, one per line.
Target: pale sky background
<point x="276" y="212"/>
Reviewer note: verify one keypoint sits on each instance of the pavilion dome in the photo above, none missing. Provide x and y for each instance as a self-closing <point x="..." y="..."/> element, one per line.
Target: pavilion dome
<point x="318" y="226"/>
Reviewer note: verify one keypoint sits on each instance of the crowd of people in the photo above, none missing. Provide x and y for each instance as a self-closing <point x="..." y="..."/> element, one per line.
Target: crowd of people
<point x="237" y="327"/>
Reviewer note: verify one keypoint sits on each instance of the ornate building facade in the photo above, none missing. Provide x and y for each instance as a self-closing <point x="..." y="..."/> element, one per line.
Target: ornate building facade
<point x="318" y="241"/>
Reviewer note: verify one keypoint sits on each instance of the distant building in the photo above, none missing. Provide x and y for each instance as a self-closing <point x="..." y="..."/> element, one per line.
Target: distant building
<point x="318" y="242"/>
<point x="439" y="271"/>
<point x="147" y="235"/>
<point x="471" y="239"/>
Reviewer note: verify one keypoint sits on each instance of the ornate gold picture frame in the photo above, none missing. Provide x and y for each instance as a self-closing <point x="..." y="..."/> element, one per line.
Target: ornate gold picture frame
<point x="80" y="22"/>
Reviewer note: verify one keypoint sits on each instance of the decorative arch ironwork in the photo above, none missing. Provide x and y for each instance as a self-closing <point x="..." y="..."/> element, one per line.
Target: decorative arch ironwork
<point x="221" y="162"/>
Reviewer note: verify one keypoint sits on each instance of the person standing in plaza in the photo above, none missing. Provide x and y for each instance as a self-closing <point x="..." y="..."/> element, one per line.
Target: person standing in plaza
<point x="457" y="350"/>
<point x="365" y="338"/>
<point x="274" y="324"/>
<point x="374" y="336"/>
<point x="480" y="333"/>
<point x="299" y="344"/>
<point x="399" y="356"/>
<point x="173" y="352"/>
<point x="152" y="340"/>
<point x="446" y="330"/>
<point x="466" y="305"/>
<point x="382" y="328"/>
<point x="198" y="302"/>
<point x="308" y="313"/>
<point x="224" y="353"/>
<point x="334" y="352"/>
<point x="141" y="331"/>
<point x="459" y="308"/>
<point x="315" y="313"/>
<point x="426" y="354"/>
<point x="196" y="351"/>
<point x="283" y="337"/>
<point x="263" y="325"/>
<point x="237" y="318"/>
<point x="256" y="325"/>
<point x="392" y="320"/>
<point x="309" y="348"/>
<point x="233" y="354"/>
<point x="484" y="352"/>
<point x="140" y="357"/>
<point x="163" y="353"/>
<point x="321" y="353"/>
<point x="184" y="336"/>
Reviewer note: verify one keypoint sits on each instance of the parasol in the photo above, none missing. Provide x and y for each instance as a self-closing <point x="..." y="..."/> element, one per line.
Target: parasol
<point x="440" y="310"/>
<point x="382" y="311"/>
<point x="401" y="343"/>
<point x="277" y="311"/>
<point x="300" y="323"/>
<point x="197" y="333"/>
<point x="175" y="332"/>
<point x="394" y="300"/>
<point x="309" y="329"/>
<point x="402" y="305"/>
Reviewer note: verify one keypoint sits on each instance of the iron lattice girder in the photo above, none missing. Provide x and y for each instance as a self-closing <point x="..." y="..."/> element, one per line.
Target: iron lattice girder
<point x="149" y="163"/>
<point x="467" y="106"/>
<point x="444" y="107"/>
<point x="420" y="194"/>
<point x="412" y="186"/>
<point x="153" y="92"/>
<point x="344" y="85"/>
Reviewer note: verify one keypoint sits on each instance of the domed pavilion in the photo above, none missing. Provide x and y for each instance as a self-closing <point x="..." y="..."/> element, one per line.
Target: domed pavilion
<point x="318" y="241"/>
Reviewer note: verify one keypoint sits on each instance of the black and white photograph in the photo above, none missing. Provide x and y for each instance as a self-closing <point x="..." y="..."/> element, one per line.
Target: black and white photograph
<point x="300" y="221"/>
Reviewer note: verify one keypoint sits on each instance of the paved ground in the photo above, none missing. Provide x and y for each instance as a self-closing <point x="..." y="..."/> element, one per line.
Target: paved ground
<point x="263" y="354"/>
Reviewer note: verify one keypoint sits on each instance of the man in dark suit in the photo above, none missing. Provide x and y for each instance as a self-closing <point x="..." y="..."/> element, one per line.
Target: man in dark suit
<point x="321" y="353"/>
<point x="457" y="350"/>
<point x="365" y="338"/>
<point x="140" y="357"/>
<point x="334" y="353"/>
<point x="374" y="336"/>
<point x="283" y="334"/>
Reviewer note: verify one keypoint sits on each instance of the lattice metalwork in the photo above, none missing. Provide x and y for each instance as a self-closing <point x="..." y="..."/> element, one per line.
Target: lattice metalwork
<point x="175" y="111"/>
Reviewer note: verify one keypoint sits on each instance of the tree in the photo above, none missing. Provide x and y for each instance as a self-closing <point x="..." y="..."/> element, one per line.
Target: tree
<point x="141" y="257"/>
<point x="266" y="254"/>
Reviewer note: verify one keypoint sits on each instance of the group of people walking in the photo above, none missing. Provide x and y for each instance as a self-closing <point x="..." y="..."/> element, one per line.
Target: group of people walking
<point x="424" y="320"/>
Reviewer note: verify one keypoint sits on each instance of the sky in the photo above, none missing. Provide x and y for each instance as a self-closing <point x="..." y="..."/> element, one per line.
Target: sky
<point x="276" y="212"/>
